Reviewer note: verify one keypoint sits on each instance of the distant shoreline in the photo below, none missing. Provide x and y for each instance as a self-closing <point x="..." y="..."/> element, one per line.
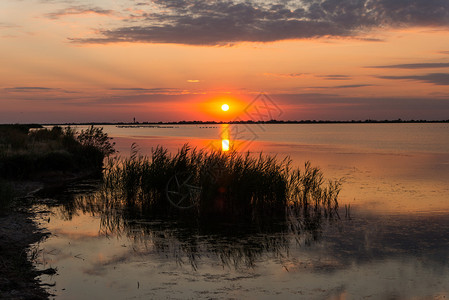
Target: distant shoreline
<point x="369" y="121"/>
<point x="397" y="121"/>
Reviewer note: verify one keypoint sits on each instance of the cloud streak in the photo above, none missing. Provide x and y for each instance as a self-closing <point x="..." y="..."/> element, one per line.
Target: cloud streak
<point x="433" y="78"/>
<point x="347" y="86"/>
<point x="413" y="66"/>
<point x="153" y="91"/>
<point x="286" y="75"/>
<point x="37" y="90"/>
<point x="219" y="22"/>
<point x="30" y="89"/>
<point x="335" y="77"/>
<point x="7" y="25"/>
<point x="79" y="10"/>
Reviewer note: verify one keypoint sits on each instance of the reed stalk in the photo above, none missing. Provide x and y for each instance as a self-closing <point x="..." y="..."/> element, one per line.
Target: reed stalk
<point x="232" y="184"/>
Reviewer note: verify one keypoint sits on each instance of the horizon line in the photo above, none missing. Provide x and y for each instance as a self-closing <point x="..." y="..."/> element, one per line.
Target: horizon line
<point x="196" y="122"/>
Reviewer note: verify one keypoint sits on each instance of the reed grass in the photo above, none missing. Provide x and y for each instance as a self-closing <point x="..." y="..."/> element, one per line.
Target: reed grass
<point x="229" y="184"/>
<point x="248" y="205"/>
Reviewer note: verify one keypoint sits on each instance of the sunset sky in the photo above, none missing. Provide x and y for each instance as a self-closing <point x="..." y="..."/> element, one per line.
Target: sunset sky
<point x="113" y="60"/>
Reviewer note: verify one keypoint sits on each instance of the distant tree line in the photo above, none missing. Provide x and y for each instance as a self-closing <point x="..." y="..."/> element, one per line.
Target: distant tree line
<point x="184" y="122"/>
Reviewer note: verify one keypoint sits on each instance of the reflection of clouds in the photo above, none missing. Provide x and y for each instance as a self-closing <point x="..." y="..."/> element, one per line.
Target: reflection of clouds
<point x="76" y="235"/>
<point x="52" y="255"/>
<point x="371" y="238"/>
<point x="100" y="265"/>
<point x="330" y="245"/>
<point x="371" y="255"/>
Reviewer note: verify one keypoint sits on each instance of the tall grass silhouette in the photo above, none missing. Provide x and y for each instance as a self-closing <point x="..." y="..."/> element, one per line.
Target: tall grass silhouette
<point x="228" y="184"/>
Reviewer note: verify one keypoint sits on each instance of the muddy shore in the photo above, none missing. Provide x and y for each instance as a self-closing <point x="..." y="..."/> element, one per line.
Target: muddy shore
<point x="18" y="276"/>
<point x="19" y="232"/>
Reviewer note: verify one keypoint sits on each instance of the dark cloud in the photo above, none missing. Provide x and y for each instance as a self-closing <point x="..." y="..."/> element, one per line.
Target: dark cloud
<point x="335" y="107"/>
<point x="444" y="52"/>
<point x="30" y="89"/>
<point x="335" y="77"/>
<point x="413" y="66"/>
<point x="151" y="90"/>
<point x="140" y="98"/>
<point x="79" y="10"/>
<point x="368" y="39"/>
<point x="218" y="22"/>
<point x="347" y="86"/>
<point x="297" y="75"/>
<point x="37" y="90"/>
<point x="434" y="78"/>
<point x="288" y="75"/>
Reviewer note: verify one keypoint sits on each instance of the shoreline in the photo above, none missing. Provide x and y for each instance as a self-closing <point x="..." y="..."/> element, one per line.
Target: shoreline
<point x="32" y="163"/>
<point x="245" y="122"/>
<point x="19" y="232"/>
<point x="19" y="277"/>
<point x="249" y="122"/>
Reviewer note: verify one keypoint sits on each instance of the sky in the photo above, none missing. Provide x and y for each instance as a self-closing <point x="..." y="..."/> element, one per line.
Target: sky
<point x="152" y="60"/>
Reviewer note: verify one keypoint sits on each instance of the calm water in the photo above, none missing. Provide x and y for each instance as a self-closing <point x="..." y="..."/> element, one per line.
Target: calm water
<point x="393" y="245"/>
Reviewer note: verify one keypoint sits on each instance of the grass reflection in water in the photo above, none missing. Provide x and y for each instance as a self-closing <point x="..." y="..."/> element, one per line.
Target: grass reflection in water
<point x="248" y="207"/>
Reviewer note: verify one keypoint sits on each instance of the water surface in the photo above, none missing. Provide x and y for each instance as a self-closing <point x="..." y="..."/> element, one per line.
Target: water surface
<point x="393" y="244"/>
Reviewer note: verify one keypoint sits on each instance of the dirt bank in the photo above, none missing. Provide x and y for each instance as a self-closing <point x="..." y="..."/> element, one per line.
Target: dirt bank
<point x="18" y="275"/>
<point x="18" y="232"/>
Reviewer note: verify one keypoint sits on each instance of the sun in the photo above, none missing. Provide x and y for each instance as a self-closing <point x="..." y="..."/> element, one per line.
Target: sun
<point x="225" y="107"/>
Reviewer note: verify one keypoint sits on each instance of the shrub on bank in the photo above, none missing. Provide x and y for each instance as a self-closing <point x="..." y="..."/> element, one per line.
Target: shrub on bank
<point x="26" y="153"/>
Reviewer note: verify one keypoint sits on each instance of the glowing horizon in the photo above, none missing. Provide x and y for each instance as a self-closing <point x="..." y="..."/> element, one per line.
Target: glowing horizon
<point x="59" y="66"/>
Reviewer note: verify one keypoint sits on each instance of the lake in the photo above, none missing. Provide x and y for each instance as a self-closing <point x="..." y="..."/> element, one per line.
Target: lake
<point x="390" y="242"/>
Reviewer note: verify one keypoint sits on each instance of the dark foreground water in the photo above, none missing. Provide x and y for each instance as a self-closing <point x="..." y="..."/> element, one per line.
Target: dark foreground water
<point x="394" y="244"/>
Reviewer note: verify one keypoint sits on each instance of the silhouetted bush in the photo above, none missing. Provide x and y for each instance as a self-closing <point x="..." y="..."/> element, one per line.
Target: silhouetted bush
<point x="26" y="154"/>
<point x="57" y="161"/>
<point x="95" y="138"/>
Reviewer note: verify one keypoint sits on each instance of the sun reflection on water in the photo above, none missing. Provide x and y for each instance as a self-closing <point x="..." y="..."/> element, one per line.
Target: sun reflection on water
<point x="224" y="145"/>
<point x="225" y="137"/>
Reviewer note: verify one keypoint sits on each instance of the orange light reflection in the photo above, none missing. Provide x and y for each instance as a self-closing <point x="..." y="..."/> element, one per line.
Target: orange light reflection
<point x="224" y="145"/>
<point x="225" y="137"/>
